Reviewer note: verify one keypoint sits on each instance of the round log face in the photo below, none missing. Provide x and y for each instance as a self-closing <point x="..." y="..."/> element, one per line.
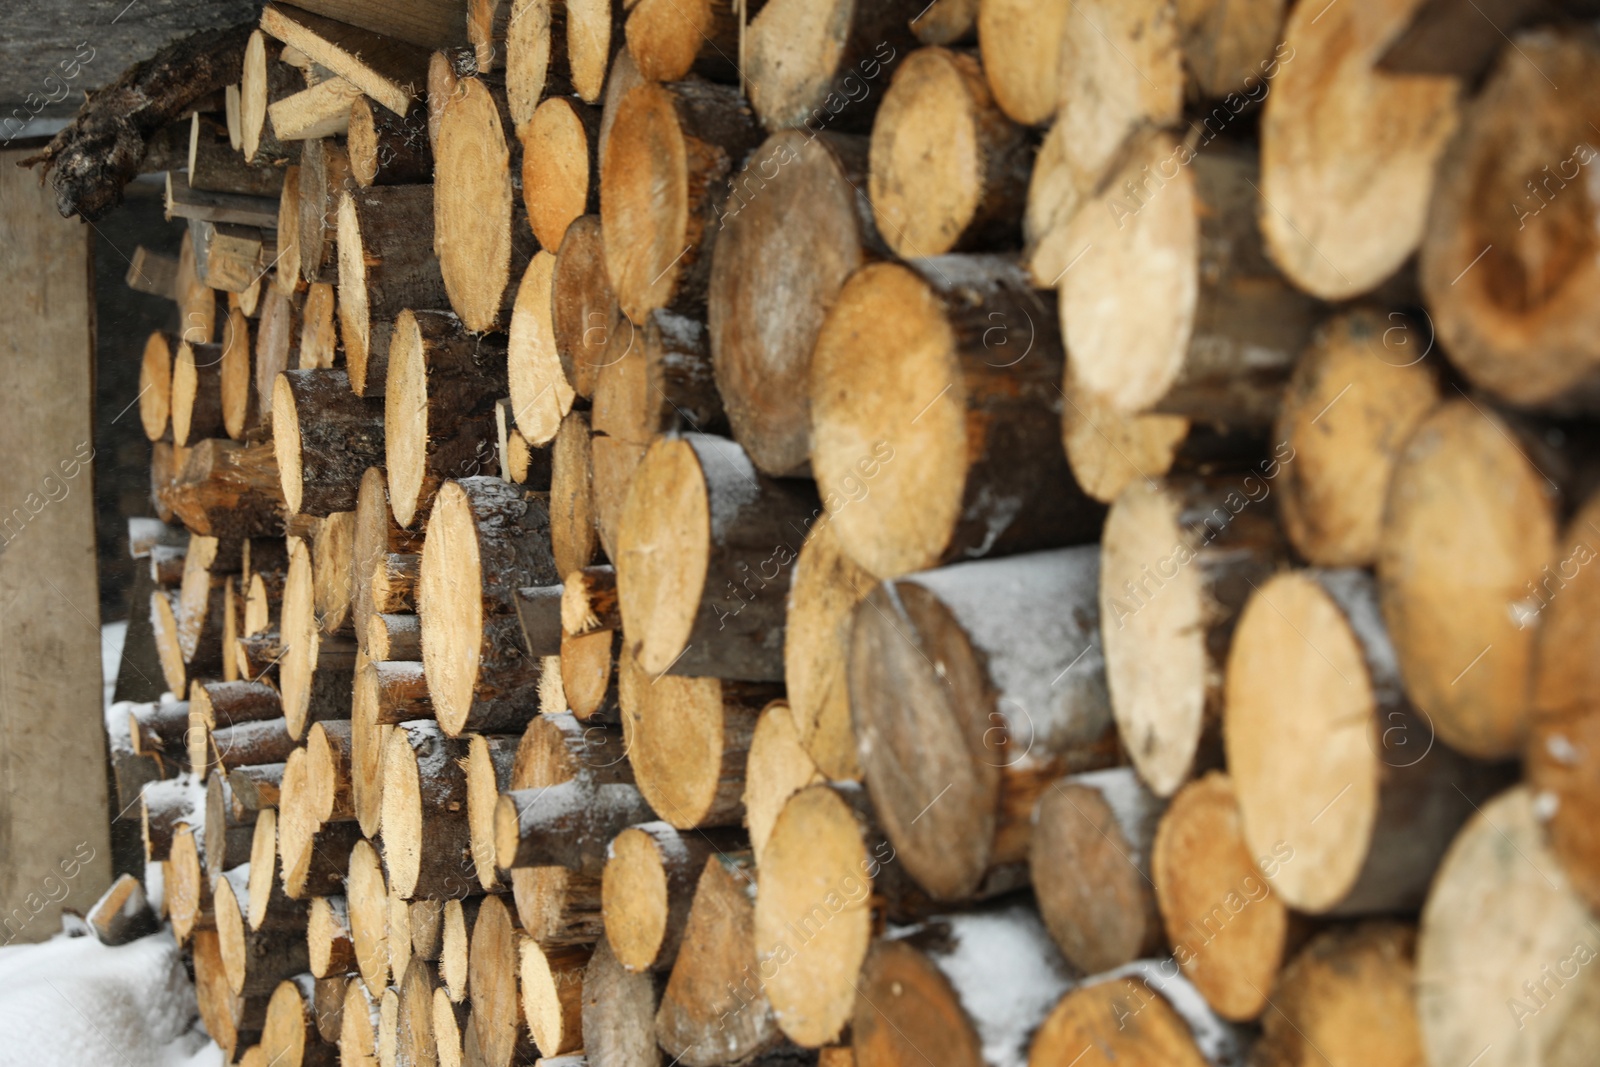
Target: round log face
<point x="644" y="201"/>
<point x="1020" y="41"/>
<point x="235" y="374"/>
<point x="405" y="437"/>
<point x="555" y="169"/>
<point x="1301" y="732"/>
<point x="792" y="51"/>
<point x="1109" y="451"/>
<point x="676" y="748"/>
<point x="450" y="604"/>
<point x="927" y="168"/>
<point x="286" y="442"/>
<point x="906" y="1005"/>
<point x="1119" y="1022"/>
<point x="827" y="586"/>
<point x="472" y="205"/>
<point x="354" y="320"/>
<point x="885" y="374"/>
<point x="921" y="709"/>
<point x="634" y="899"/>
<point x="230" y="933"/>
<point x="540" y="393"/>
<point x="663" y="552"/>
<point x="155" y="386"/>
<point x="283" y="1037"/>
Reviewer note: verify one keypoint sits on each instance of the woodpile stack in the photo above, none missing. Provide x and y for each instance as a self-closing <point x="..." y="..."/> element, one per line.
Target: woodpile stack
<point x="984" y="532"/>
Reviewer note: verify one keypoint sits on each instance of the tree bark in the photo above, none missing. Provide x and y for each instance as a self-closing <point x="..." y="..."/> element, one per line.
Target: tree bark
<point x="389" y="149"/>
<point x="324" y="438"/>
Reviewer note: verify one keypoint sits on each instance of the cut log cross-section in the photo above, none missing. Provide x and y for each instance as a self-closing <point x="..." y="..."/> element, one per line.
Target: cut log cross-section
<point x="325" y="438"/>
<point x="560" y="172"/>
<point x="386" y="148"/>
<point x="825" y="65"/>
<point x="584" y="316"/>
<point x="155" y="385"/>
<point x="1143" y="1015"/>
<point x="647" y="890"/>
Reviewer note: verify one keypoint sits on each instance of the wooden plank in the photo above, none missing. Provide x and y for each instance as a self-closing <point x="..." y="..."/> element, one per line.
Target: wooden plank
<point x="153" y="273"/>
<point x="186" y="202"/>
<point x="390" y="71"/>
<point x="55" y="848"/>
<point x="432" y="24"/>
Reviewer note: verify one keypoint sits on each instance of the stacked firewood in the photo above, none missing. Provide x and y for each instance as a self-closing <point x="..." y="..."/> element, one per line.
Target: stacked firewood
<point x="983" y="532"/>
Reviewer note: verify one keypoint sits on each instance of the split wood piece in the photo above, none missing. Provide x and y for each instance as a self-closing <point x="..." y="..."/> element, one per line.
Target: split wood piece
<point x="567" y="825"/>
<point x="322" y="110"/>
<point x="949" y="171"/>
<point x="493" y="965"/>
<point x="1352" y="403"/>
<point x="1179" y="558"/>
<point x="488" y="27"/>
<point x="367" y="903"/>
<point x="480" y="231"/>
<point x="164" y="807"/>
<point x="427" y="840"/>
<point x="772" y="284"/>
<point x="777" y="767"/>
<point x="439" y="399"/>
<point x="233" y="1022"/>
<point x="316" y="674"/>
<point x="186" y="887"/>
<point x="648" y="887"/>
<point x="389" y="149"/>
<point x="1137" y="1016"/>
<point x="942" y="471"/>
<point x="358" y="1025"/>
<point x="670" y="41"/>
<point x="229" y="828"/>
<point x="153" y="273"/>
<point x="236" y="373"/>
<point x="324" y="178"/>
<point x="663" y="180"/>
<point x="319" y="338"/>
<point x="254" y="960"/>
<point x="1349" y="997"/>
<point x="1314" y="641"/>
<point x="249" y="744"/>
<point x="1519" y="326"/>
<point x="1521" y="990"/>
<point x="290" y="1037"/>
<point x="950" y="984"/>
<point x="232" y="257"/>
<point x="414" y="1043"/>
<point x="1007" y="714"/>
<point x="256" y="786"/>
<point x="615" y="462"/>
<point x="428" y="24"/>
<point x="392" y="637"/>
<point x="386" y="266"/>
<point x="588" y="676"/>
<point x="486" y="538"/>
<point x="325" y="437"/>
<point x="824" y="65"/>
<point x="164" y="624"/>
<point x="589" y="601"/>
<point x="259" y="655"/>
<point x="1090" y="864"/>
<point x="122" y="914"/>
<point x="276" y="337"/>
<point x="228" y="490"/>
<point x="314" y="857"/>
<point x="1227" y="927"/>
<point x="263" y="81"/>
<point x="589" y="329"/>
<point x="155" y="385"/>
<point x="330" y="948"/>
<point x="687" y="740"/>
<point x="1364" y="150"/>
<point x="216" y="166"/>
<point x="391" y="71"/>
<point x="552" y="994"/>
<point x="827" y="586"/>
<point x="560" y="167"/>
<point x="197" y="393"/>
<point x="332" y="553"/>
<point x="451" y="1021"/>
<point x="539" y="615"/>
<point x="713" y="1010"/>
<point x="488" y="766"/>
<point x="699" y="524"/>
<point x="286" y="278"/>
<point x="1439" y="627"/>
<point x="377" y="536"/>
<point x="619" y="1009"/>
<point x="1232" y="326"/>
<point x="160" y="730"/>
<point x="814" y="885"/>
<point x="1021" y="48"/>
<point x="455" y="934"/>
<point x="541" y="396"/>
<point x="574" y="541"/>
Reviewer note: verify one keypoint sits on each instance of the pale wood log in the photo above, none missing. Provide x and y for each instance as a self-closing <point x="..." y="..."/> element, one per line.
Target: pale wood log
<point x="560" y="166"/>
<point x="541" y="396"/>
<point x="552" y="995"/>
<point x="497" y="1015"/>
<point x="427" y="837"/>
<point x="776" y="768"/>
<point x="1144" y="1014"/>
<point x="289" y="1035"/>
<point x="619" y="1009"/>
<point x="322" y="110"/>
<point x="826" y="588"/>
<point x="584" y="315"/>
<point x="389" y="70"/>
<point x="574" y="541"/>
<point x="324" y="178"/>
<point x="324" y="437"/>
<point x="816" y="66"/>
<point x="263" y="81"/>
<point x="386" y="148"/>
<point x="647" y="889"/>
<point x="122" y="914"/>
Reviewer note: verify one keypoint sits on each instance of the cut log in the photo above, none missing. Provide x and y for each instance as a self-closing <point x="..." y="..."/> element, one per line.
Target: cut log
<point x="1230" y="49"/>
<point x="256" y="786"/>
<point x="249" y="744"/>
<point x="164" y="624"/>
<point x="391" y="71"/>
<point x="392" y="637"/>
<point x="827" y="586"/>
<point x="557" y="906"/>
<point x="664" y="383"/>
<point x="615" y="462"/>
<point x="389" y="149"/>
<point x="332" y="551"/>
<point x="486" y="538"/>
<point x="289" y="1037"/>
<point x="824" y="65"/>
<point x="535" y="42"/>
<point x="540" y="393"/>
<point x="941" y="22"/>
<point x="328" y="772"/>
<point x="663" y="179"/>
<point x="322" y="110"/>
<point x="552" y="995"/>
<point x="944" y="985"/>
<point x="574" y="541"/>
<point x="1179" y="558"/>
<point x="164" y="807"/>
<point x="480" y="240"/>
<point x="1389" y="131"/>
<point x="776" y="768"/>
<point x="255" y="960"/>
<point x="450" y="1022"/>
<point x="327" y="1001"/>
<point x="277" y="335"/>
<point x="1515" y="322"/>
<point x="414" y="1026"/>
<point x="1021" y="48"/>
<point x="427" y="840"/>
<point x="160" y="730"/>
<point x="197" y="393"/>
<point x="155" y="385"/>
<point x="1495" y="991"/>
<point x="671" y="41"/>
<point x="263" y="81"/>
<point x="367" y="900"/>
<point x="1142" y="1015"/>
<point x="286" y="278"/>
<point x="428" y="24"/>
<point x="324" y="437"/>
<point x="492" y="983"/>
<point x="588" y="677"/>
<point x="233" y="1022"/>
<point x="650" y="876"/>
<point x="455" y="936"/>
<point x="314" y="856"/>
<point x="358" y="1025"/>
<point x="1108" y="451"/>
<point x="772" y="283"/>
<point x="122" y="914"/>
<point x="319" y="339"/>
<point x="259" y="656"/>
<point x="240" y="412"/>
<point x="1461" y="462"/>
<point x="1090" y="864"/>
<point x="214" y="705"/>
<point x="439" y="399"/>
<point x="324" y="178"/>
<point x="1385" y="806"/>
<point x="330" y="949"/>
<point x="567" y="825"/>
<point x="386" y="266"/>
<point x="949" y="171"/>
<point x="229" y="830"/>
<point x="153" y="273"/>
<point x="938" y="473"/>
<point x="517" y="460"/>
<point x="1229" y="327"/>
<point x="488" y="27"/>
<point x="999" y="719"/>
<point x="316" y="675"/>
<point x="1351" y="404"/>
<point x="228" y="490"/>
<point x="377" y="537"/>
<point x="619" y="1010"/>
<point x="560" y="168"/>
<point x="589" y="330"/>
<point x="698" y="526"/>
<point x="186" y="888"/>
<point x="488" y="767"/>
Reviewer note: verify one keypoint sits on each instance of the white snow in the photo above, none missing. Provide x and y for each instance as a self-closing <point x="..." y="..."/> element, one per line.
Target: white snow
<point x="72" y="1001"/>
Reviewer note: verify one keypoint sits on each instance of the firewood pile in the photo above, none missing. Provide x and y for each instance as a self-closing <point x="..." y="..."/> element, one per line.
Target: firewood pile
<point x="1004" y="532"/>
